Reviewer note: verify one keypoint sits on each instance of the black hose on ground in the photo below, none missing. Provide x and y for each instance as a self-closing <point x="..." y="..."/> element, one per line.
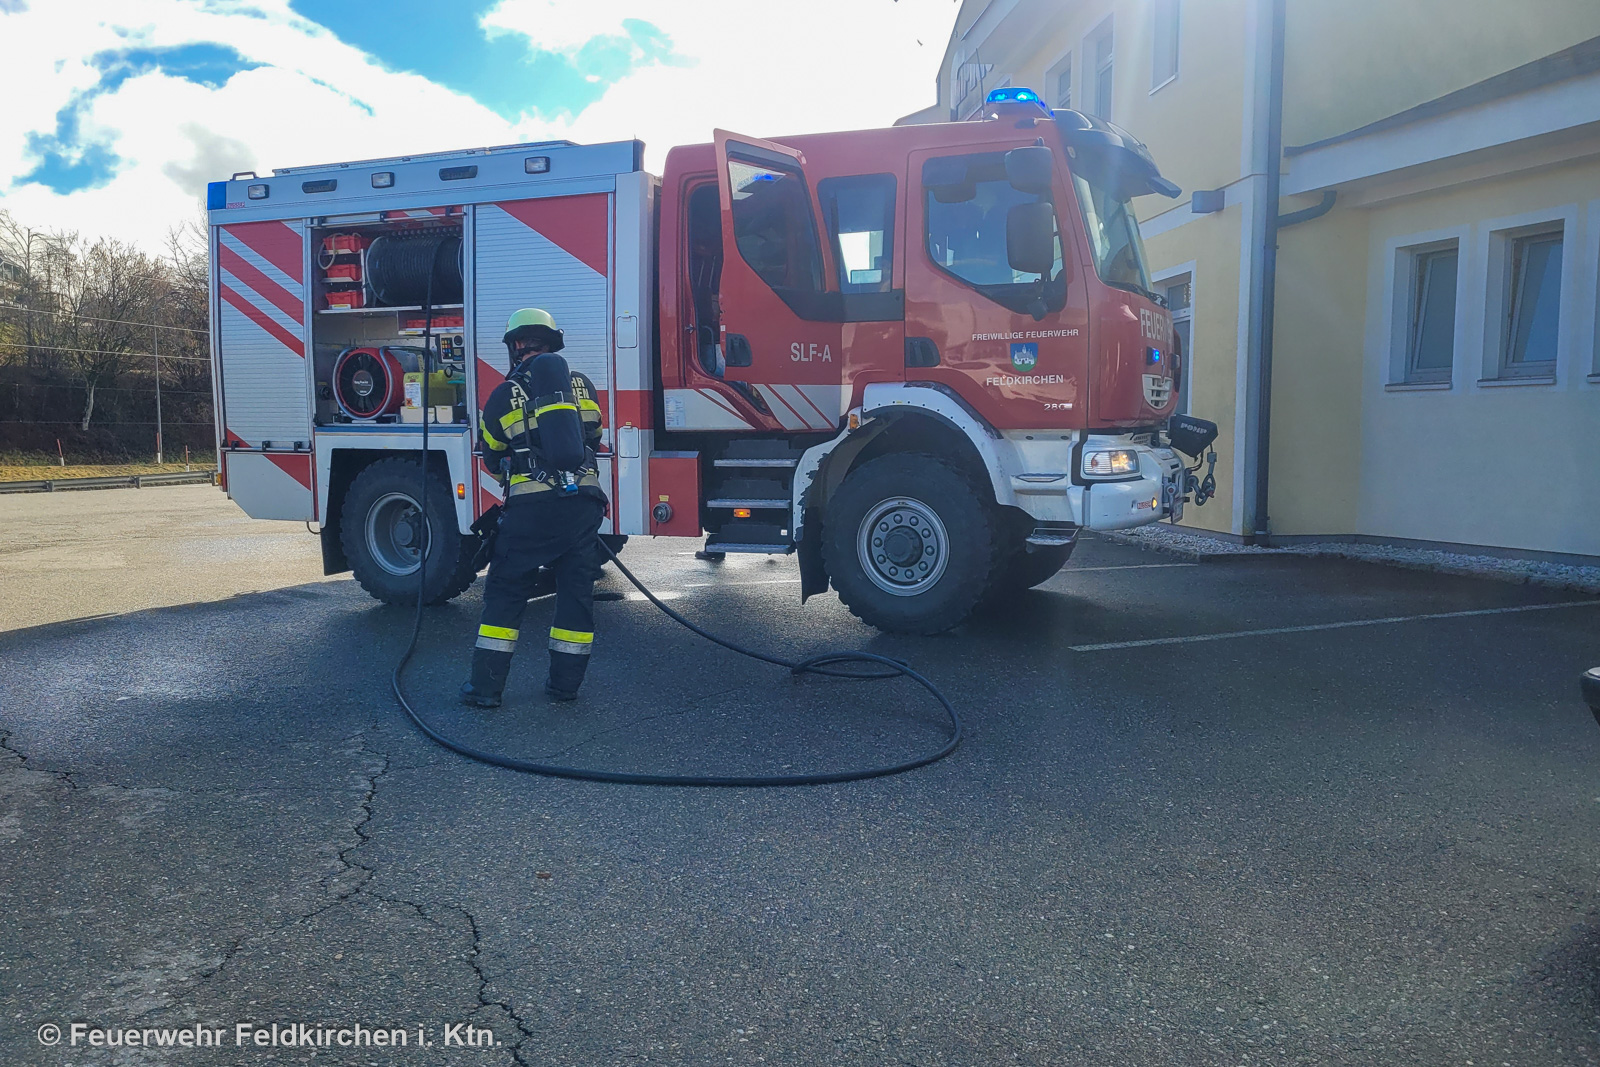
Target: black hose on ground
<point x="823" y="664"/>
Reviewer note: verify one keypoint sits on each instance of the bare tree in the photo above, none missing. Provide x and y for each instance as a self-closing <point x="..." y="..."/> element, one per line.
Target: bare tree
<point x="82" y="303"/>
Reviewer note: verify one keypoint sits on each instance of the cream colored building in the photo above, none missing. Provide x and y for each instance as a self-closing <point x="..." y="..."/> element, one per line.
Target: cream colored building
<point x="1434" y="373"/>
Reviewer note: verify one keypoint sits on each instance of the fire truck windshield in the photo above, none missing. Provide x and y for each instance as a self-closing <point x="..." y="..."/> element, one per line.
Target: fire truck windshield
<point x="1114" y="239"/>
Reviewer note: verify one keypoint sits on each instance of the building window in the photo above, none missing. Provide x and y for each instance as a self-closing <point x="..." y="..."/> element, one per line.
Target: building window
<point x="967" y="79"/>
<point x="1164" y="33"/>
<point x="1431" y="335"/>
<point x="1058" y="83"/>
<point x="859" y="214"/>
<point x="1179" y="293"/>
<point x="1533" y="303"/>
<point x="1098" y="81"/>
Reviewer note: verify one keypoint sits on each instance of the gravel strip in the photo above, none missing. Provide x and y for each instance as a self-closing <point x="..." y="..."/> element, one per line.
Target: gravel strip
<point x="1190" y="545"/>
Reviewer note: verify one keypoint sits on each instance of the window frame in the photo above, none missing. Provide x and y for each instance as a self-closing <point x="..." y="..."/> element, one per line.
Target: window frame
<point x="819" y="267"/>
<point x="827" y="198"/>
<point x="1055" y="288"/>
<point x="1418" y="257"/>
<point x="1061" y="68"/>
<point x="1158" y="8"/>
<point x="1093" y="68"/>
<point x="1160" y="281"/>
<point x="1513" y="305"/>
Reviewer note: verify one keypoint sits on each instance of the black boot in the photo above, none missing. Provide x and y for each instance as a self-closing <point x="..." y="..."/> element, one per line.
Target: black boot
<point x="566" y="675"/>
<point x="489" y="670"/>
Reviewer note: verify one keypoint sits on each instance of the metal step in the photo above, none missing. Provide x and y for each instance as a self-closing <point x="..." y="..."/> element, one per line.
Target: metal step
<point x="1052" y="536"/>
<point x="735" y="461"/>
<point x="749" y="502"/>
<point x="750" y="535"/>
<point x="759" y="448"/>
<point x="713" y="547"/>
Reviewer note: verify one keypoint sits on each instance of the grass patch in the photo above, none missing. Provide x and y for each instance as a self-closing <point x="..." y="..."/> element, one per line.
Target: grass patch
<point x="34" y="472"/>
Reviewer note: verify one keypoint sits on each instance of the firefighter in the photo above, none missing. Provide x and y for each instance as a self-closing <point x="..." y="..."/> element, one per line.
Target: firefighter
<point x="551" y="516"/>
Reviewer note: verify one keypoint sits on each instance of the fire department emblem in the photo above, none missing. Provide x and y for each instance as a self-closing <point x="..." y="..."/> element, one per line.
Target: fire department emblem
<point x="1024" y="357"/>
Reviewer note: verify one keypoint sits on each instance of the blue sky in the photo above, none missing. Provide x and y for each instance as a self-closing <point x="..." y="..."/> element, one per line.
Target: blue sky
<point x="119" y="111"/>
<point x="445" y="43"/>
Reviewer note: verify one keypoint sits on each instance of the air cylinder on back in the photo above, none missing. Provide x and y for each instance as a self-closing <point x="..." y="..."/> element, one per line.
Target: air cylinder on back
<point x="555" y="412"/>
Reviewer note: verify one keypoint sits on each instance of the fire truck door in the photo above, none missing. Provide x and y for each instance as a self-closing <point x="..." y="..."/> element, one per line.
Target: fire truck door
<point x="781" y="331"/>
<point x="1013" y="341"/>
<point x="260" y="278"/>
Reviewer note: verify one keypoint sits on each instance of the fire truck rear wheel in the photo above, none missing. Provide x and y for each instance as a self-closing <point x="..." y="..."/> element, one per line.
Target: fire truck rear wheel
<point x="380" y="529"/>
<point x="908" y="541"/>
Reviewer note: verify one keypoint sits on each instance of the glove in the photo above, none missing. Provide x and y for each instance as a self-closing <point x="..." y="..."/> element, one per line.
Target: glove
<point x="487" y="527"/>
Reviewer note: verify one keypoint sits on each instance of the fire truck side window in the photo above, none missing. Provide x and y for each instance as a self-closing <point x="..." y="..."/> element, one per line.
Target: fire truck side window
<point x="773" y="228"/>
<point x="967" y="198"/>
<point x="860" y="218"/>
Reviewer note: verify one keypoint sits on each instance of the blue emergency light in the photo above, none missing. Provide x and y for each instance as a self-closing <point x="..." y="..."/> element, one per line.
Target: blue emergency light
<point x="1011" y="94"/>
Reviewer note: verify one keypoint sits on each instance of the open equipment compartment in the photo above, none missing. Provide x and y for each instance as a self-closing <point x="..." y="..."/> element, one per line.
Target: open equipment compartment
<point x="369" y="282"/>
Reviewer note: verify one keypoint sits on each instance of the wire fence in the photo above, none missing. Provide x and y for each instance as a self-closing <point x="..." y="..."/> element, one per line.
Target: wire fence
<point x="103" y="352"/>
<point x="92" y="318"/>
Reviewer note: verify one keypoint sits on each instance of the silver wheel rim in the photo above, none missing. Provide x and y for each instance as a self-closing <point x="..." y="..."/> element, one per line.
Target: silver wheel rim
<point x="395" y="534"/>
<point x="902" y="546"/>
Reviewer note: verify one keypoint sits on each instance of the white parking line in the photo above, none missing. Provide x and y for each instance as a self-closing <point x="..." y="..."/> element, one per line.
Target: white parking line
<point x="758" y="581"/>
<point x="1330" y="626"/>
<point x="1127" y="567"/>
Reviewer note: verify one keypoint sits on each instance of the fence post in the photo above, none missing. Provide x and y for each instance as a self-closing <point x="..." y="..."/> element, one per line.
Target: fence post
<point x="155" y="337"/>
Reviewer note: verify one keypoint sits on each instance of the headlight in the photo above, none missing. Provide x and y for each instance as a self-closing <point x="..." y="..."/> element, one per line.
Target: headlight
<point x="1110" y="464"/>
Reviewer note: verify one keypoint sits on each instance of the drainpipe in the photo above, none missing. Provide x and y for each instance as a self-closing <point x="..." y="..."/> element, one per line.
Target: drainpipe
<point x="1257" y="530"/>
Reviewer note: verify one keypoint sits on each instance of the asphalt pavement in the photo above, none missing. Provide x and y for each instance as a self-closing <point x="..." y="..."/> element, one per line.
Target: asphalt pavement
<point x="1204" y="814"/>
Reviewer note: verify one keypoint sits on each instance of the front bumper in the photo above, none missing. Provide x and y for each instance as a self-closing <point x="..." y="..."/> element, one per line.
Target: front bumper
<point x="1155" y="493"/>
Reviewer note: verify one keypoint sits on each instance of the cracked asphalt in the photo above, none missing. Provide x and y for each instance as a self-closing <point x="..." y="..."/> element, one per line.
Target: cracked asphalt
<point x="1321" y="844"/>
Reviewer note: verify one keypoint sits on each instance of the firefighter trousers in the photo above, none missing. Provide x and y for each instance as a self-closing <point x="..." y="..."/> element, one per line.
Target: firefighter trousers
<point x="547" y="529"/>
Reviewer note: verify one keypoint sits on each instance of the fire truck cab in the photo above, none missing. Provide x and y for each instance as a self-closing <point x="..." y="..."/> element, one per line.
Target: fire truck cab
<point x="923" y="358"/>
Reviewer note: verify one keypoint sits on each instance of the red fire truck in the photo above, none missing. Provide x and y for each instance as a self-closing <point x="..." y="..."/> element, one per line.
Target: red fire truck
<point x="923" y="358"/>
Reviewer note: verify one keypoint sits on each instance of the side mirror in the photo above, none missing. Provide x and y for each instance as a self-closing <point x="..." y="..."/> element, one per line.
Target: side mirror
<point x="1031" y="238"/>
<point x="1028" y="169"/>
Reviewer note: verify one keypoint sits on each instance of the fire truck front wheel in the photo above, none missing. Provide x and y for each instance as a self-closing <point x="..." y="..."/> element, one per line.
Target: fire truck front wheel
<point x="908" y="541"/>
<point x="380" y="528"/>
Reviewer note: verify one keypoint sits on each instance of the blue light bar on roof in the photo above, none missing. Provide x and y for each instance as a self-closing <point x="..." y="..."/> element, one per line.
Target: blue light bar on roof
<point x="1012" y="93"/>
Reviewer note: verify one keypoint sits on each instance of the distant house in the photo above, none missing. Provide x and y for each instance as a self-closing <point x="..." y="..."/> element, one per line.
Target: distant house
<point x="1434" y="374"/>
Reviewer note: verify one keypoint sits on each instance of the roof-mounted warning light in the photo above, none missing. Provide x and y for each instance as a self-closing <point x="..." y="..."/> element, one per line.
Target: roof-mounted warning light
<point x="1010" y="93"/>
<point x="1013" y="100"/>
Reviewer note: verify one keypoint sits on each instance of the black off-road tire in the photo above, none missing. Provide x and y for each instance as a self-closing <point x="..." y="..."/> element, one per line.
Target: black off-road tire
<point x="390" y="486"/>
<point x="926" y="484"/>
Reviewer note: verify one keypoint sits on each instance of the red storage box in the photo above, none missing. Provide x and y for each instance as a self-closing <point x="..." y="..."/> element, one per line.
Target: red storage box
<point x="349" y="298"/>
<point x="343" y="272"/>
<point x="339" y="244"/>
<point x="442" y="320"/>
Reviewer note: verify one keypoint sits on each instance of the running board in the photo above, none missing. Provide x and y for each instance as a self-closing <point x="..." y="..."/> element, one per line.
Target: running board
<point x="731" y="546"/>
<point x="736" y="462"/>
<point x="749" y="502"/>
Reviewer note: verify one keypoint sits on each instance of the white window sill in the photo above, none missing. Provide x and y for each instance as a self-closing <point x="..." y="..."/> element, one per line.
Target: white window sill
<point x="1415" y="387"/>
<point x="1595" y="378"/>
<point x="1496" y="383"/>
<point x="1154" y="89"/>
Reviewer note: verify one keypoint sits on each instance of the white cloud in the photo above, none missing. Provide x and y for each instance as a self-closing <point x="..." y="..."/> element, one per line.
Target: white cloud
<point x="761" y="70"/>
<point x="564" y="26"/>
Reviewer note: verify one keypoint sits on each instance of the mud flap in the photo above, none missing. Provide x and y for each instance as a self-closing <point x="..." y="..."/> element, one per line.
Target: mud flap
<point x="813" y="571"/>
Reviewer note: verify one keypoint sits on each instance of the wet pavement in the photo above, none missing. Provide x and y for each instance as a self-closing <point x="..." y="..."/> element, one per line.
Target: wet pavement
<point x="1204" y="814"/>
